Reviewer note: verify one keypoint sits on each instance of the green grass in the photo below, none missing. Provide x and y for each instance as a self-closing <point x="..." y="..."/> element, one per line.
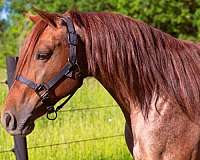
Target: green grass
<point x="76" y="125"/>
<point x="3" y="87"/>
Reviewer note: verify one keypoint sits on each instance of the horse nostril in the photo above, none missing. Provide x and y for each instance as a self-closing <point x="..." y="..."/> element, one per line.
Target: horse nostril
<point x="10" y="121"/>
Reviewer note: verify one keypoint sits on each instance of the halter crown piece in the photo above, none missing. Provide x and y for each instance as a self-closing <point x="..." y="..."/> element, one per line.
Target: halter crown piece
<point x="43" y="89"/>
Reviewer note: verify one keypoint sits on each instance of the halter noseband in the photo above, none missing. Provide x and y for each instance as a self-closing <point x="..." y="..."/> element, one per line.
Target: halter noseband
<point x="43" y="89"/>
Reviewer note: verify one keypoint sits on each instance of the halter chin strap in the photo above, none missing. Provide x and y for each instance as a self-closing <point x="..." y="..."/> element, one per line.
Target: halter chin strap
<point x="68" y="71"/>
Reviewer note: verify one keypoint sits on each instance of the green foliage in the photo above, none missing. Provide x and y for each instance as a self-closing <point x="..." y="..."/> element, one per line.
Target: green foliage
<point x="180" y="18"/>
<point x="12" y="37"/>
<point x="175" y="17"/>
<point x="49" y="5"/>
<point x="1" y="4"/>
<point x="3" y="87"/>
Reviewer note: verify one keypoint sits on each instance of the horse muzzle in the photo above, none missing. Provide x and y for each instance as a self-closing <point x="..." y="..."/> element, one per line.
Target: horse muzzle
<point x="13" y="126"/>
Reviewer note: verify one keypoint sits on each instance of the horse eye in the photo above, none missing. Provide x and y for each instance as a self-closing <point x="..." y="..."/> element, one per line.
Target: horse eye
<point x="43" y="55"/>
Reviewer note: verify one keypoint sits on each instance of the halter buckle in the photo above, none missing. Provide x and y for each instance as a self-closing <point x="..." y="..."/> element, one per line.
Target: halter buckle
<point x="43" y="92"/>
<point x="40" y="87"/>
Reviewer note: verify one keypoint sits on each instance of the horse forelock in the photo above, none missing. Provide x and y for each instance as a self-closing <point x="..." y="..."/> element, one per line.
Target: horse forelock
<point x="29" y="44"/>
<point x="145" y="59"/>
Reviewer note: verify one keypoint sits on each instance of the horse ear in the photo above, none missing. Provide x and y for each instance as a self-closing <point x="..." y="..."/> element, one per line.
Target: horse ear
<point x="33" y="18"/>
<point x="49" y="18"/>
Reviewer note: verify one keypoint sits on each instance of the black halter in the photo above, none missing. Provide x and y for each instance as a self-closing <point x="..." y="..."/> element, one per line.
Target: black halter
<point x="43" y="89"/>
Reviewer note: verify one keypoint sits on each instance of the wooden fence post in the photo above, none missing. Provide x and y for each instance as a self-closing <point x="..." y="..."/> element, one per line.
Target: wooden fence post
<point x="20" y="144"/>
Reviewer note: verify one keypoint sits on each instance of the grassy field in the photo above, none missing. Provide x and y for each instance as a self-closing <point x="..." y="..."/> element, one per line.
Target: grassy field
<point x="74" y="125"/>
<point x="3" y="87"/>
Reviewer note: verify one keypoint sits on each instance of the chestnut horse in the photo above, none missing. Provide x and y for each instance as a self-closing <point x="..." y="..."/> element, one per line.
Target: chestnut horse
<point x="154" y="77"/>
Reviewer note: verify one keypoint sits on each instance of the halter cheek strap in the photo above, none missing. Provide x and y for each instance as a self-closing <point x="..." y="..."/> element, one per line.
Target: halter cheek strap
<point x="70" y="69"/>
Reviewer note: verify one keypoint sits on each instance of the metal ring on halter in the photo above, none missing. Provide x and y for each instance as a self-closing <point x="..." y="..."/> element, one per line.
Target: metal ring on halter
<point x="50" y="111"/>
<point x="49" y="117"/>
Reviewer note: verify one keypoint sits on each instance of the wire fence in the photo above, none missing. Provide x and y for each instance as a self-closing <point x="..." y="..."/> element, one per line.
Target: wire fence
<point x="91" y="111"/>
<point x="67" y="143"/>
<point x="89" y="108"/>
<point x="76" y="141"/>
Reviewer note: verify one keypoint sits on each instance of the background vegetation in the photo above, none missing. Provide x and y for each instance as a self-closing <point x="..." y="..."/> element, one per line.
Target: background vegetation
<point x="180" y="18"/>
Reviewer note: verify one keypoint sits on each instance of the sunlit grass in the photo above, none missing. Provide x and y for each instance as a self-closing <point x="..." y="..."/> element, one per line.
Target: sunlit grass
<point x="76" y="125"/>
<point x="3" y="87"/>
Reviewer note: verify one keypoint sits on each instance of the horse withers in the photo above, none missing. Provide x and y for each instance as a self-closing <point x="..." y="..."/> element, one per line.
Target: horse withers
<point x="153" y="76"/>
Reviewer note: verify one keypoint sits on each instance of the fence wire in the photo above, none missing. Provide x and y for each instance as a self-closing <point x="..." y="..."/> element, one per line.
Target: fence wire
<point x="68" y="143"/>
<point x="75" y="141"/>
<point x="88" y="108"/>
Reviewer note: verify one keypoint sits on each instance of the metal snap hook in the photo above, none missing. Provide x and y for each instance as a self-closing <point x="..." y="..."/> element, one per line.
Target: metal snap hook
<point x="50" y="117"/>
<point x="51" y="111"/>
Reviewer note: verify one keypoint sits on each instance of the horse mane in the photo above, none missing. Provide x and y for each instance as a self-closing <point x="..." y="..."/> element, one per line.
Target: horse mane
<point x="145" y="60"/>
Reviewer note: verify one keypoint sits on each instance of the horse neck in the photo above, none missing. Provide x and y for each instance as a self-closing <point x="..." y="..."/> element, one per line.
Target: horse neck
<point x="119" y="92"/>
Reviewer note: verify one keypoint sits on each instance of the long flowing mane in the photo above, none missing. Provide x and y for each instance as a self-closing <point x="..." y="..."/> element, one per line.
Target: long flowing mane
<point x="136" y="56"/>
<point x="146" y="60"/>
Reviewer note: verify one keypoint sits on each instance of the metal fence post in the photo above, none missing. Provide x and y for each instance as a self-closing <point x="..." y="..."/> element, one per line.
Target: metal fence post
<point x="20" y="144"/>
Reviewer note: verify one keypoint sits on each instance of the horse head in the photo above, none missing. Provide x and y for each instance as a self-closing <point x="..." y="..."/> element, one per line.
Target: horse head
<point x="48" y="70"/>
